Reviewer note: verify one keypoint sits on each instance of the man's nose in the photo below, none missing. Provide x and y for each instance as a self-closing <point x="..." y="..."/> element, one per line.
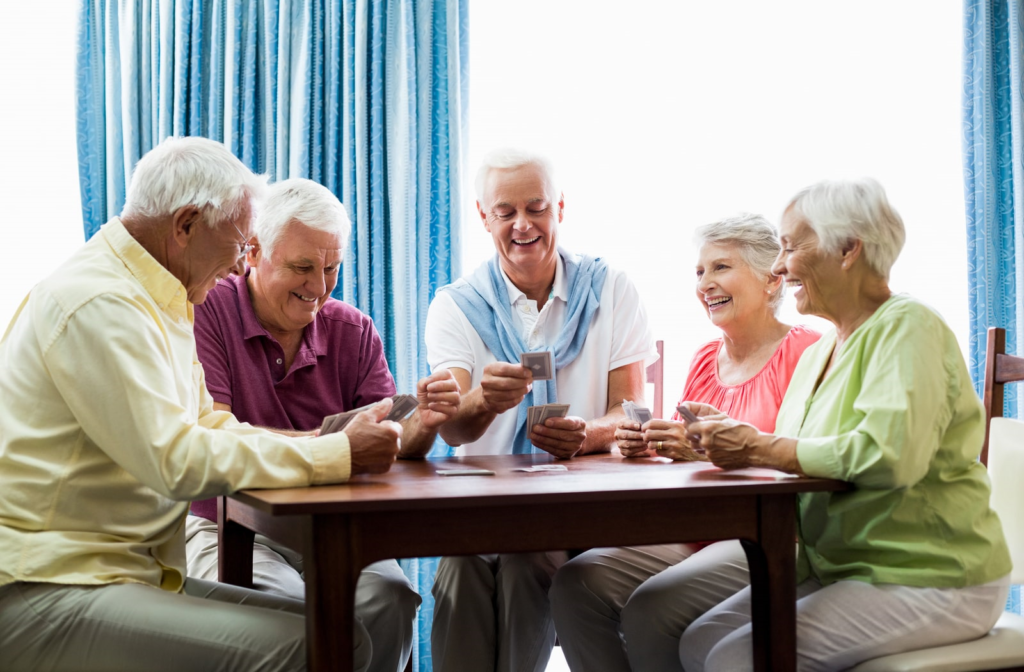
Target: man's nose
<point x="522" y="222"/>
<point x="316" y="284"/>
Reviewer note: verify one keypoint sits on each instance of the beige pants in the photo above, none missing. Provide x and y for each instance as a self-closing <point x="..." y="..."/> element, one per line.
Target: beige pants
<point x="622" y="609"/>
<point x="130" y="627"/>
<point x="847" y="622"/>
<point x="491" y="612"/>
<point x="386" y="603"/>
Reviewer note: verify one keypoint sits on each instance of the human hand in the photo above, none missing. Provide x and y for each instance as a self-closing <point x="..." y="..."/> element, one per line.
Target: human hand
<point x="504" y="386"/>
<point x="728" y="443"/>
<point x="373" y="445"/>
<point x="562" y="437"/>
<point x="439" y="397"/>
<point x="670" y="438"/>
<point x="704" y="411"/>
<point x="630" y="439"/>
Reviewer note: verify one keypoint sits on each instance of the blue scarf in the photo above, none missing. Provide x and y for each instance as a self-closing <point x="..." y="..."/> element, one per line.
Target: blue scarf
<point x="483" y="298"/>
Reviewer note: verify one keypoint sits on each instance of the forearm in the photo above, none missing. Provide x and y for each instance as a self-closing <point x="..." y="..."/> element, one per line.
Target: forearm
<point x="470" y="423"/>
<point x="601" y="431"/>
<point x="417" y="438"/>
<point x="775" y="452"/>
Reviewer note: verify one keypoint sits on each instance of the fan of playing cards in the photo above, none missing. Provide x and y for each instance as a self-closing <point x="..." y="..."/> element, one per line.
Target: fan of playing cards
<point x="536" y="415"/>
<point x="404" y="404"/>
<point x="636" y="413"/>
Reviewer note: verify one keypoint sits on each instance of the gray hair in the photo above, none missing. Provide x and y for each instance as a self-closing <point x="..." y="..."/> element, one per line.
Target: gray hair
<point x="841" y="210"/>
<point x="304" y="202"/>
<point x="504" y="159"/>
<point x="756" y="239"/>
<point x="192" y="171"/>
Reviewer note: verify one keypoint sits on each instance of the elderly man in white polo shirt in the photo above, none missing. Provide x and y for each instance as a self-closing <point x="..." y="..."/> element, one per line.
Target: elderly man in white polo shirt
<point x="492" y="612"/>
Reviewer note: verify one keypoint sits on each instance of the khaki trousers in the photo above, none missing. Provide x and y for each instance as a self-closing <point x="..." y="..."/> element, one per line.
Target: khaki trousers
<point x="386" y="603"/>
<point x="622" y="609"/>
<point x="491" y="612"/>
<point x="130" y="627"/>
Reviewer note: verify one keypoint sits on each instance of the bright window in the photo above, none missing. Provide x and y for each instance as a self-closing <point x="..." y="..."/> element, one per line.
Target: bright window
<point x="664" y="116"/>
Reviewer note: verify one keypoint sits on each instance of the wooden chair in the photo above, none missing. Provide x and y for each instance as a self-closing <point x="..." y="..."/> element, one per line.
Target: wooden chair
<point x="1002" y="649"/>
<point x="656" y="375"/>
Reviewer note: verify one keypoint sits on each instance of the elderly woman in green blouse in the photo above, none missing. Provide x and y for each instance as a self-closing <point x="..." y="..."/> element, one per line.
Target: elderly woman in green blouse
<point x="912" y="556"/>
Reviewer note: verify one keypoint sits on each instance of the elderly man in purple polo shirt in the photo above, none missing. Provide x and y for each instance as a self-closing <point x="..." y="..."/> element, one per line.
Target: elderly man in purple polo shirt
<point x="280" y="353"/>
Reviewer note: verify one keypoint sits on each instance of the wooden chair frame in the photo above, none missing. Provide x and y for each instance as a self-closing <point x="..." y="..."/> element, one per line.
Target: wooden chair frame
<point x="656" y="375"/>
<point x="1000" y="368"/>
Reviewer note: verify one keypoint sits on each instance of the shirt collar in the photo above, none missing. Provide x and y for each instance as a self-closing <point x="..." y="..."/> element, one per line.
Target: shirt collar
<point x="166" y="290"/>
<point x="558" y="290"/>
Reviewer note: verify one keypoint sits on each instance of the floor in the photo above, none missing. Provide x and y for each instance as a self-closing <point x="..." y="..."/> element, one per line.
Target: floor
<point x="557" y="662"/>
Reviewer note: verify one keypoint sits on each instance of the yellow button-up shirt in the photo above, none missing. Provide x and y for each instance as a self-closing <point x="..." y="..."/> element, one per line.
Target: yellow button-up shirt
<point x="107" y="430"/>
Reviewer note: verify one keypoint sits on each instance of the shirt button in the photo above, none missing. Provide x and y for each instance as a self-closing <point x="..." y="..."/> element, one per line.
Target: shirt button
<point x="526" y="309"/>
<point x="280" y="361"/>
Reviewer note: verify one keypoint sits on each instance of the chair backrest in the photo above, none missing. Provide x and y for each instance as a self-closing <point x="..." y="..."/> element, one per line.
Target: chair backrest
<point x="656" y="375"/>
<point x="1000" y="368"/>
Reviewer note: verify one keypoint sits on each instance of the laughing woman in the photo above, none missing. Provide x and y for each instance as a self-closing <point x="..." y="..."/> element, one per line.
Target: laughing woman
<point x="648" y="595"/>
<point x="912" y="557"/>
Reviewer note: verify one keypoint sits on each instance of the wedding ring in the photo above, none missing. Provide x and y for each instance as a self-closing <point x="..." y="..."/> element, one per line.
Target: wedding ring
<point x="659" y="445"/>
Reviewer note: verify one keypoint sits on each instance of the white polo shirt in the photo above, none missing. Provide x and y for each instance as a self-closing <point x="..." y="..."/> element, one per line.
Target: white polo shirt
<point x="619" y="335"/>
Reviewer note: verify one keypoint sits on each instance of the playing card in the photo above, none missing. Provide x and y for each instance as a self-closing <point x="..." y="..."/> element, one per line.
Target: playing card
<point x="404" y="404"/>
<point x="687" y="414"/>
<point x="542" y="364"/>
<point x="629" y="408"/>
<point x="642" y="414"/>
<point x="552" y="411"/>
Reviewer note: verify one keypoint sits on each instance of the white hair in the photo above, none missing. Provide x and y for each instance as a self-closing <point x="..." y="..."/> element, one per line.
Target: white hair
<point x="304" y="202"/>
<point x="756" y="240"/>
<point x="505" y="159"/>
<point x="192" y="171"/>
<point x="841" y="210"/>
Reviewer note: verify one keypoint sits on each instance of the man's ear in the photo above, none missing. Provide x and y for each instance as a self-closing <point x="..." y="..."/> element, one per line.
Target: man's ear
<point x="185" y="221"/>
<point x="561" y="207"/>
<point x="253" y="257"/>
<point x="483" y="217"/>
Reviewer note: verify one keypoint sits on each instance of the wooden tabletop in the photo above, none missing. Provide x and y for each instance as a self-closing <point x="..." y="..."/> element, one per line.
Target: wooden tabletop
<point x="607" y="477"/>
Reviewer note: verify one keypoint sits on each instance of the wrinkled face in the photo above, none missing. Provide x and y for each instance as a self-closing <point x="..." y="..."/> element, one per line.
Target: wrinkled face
<point x="812" y="275"/>
<point x="731" y="292"/>
<point x="214" y="254"/>
<point x="521" y="212"/>
<point x="291" y="285"/>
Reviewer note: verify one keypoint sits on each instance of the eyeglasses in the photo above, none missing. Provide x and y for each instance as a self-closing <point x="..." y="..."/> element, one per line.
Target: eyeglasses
<point x="244" y="247"/>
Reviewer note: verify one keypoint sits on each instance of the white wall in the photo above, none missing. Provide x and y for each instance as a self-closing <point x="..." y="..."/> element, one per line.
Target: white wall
<point x="42" y="217"/>
<point x="662" y="116"/>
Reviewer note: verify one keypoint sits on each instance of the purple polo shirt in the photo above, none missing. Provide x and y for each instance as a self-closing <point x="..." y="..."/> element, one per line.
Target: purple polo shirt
<point x="340" y="365"/>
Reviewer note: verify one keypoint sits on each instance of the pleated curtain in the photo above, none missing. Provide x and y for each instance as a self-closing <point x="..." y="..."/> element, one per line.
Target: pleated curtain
<point x="367" y="97"/>
<point x="994" y="184"/>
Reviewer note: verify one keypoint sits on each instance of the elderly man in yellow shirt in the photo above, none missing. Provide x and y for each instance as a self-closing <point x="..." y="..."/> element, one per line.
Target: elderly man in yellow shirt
<point x="107" y="433"/>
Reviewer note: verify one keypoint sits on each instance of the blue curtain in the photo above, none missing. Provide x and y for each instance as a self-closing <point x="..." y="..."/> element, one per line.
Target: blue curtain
<point x="368" y="97"/>
<point x="994" y="183"/>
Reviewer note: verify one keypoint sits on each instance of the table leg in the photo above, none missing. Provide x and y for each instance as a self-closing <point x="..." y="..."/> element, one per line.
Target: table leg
<point x="772" y="561"/>
<point x="331" y="563"/>
<point x="234" y="553"/>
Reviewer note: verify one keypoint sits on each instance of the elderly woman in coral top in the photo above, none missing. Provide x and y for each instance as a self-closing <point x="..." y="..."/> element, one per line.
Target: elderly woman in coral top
<point x="647" y="596"/>
<point x="912" y="556"/>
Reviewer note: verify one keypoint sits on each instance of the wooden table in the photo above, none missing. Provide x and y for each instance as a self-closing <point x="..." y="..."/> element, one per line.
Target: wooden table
<point x="600" y="501"/>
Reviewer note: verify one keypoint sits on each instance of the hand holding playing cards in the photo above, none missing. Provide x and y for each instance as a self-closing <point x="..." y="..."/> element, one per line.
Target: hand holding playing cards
<point x="562" y="437"/>
<point x="727" y="442"/>
<point x="504" y="386"/>
<point x="669" y="438"/>
<point x="438" y="398"/>
<point x="630" y="439"/>
<point x="373" y="442"/>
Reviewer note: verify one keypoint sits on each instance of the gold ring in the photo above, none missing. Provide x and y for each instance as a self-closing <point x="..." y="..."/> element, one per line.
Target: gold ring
<point x="659" y="445"/>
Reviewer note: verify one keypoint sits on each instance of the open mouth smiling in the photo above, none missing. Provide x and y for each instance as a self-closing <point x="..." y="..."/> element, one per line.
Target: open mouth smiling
<point x="717" y="301"/>
<point x="300" y="297"/>
<point x="525" y="241"/>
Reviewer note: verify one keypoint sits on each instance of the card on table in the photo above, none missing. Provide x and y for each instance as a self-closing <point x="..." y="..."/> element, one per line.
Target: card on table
<point x="542" y="364"/>
<point x="464" y="472"/>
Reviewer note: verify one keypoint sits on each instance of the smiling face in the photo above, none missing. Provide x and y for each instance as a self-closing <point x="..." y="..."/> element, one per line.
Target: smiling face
<point x="521" y="211"/>
<point x="288" y="288"/>
<point x="815" y="275"/>
<point x="212" y="254"/>
<point x="732" y="293"/>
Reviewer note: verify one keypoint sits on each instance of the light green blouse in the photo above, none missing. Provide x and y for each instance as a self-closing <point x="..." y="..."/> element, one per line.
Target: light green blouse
<point x="898" y="418"/>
